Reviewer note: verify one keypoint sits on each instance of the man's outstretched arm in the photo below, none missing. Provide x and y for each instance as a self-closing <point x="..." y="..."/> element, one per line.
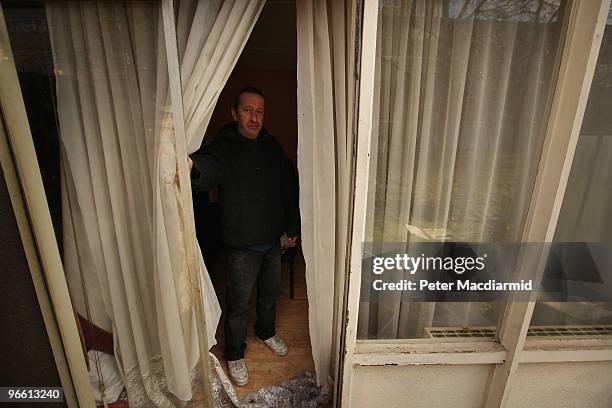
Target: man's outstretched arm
<point x="207" y="168"/>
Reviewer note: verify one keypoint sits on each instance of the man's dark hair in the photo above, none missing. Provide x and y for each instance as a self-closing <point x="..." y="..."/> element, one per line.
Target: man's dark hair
<point x="245" y="89"/>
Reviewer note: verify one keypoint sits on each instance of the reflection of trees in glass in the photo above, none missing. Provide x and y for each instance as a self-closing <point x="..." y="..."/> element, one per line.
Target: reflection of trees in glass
<point x="513" y="10"/>
<point x="596" y="117"/>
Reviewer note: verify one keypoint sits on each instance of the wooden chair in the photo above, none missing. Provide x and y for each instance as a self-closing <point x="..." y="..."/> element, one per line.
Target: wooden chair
<point x="288" y="255"/>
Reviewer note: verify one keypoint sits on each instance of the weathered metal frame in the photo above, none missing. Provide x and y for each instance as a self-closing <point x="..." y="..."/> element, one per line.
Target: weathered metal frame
<point x="585" y="26"/>
<point x="583" y="36"/>
<point x="36" y="229"/>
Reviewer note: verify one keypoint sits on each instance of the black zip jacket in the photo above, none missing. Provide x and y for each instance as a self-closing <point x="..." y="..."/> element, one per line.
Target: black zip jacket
<point x="258" y="196"/>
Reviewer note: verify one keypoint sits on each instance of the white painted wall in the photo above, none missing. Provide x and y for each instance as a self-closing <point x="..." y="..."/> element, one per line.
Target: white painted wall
<point x="537" y="385"/>
<point x="562" y="385"/>
<point x="426" y="386"/>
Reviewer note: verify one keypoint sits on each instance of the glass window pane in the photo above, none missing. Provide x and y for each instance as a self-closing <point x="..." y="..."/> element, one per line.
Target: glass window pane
<point x="584" y="227"/>
<point x="460" y="105"/>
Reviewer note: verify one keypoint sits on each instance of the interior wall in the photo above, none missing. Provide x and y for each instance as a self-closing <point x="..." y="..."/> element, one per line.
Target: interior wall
<point x="433" y="386"/>
<point x="562" y="385"/>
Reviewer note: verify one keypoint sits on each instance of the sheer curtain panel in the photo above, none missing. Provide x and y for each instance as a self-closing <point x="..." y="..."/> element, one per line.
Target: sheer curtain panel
<point x="124" y="225"/>
<point x="325" y="31"/>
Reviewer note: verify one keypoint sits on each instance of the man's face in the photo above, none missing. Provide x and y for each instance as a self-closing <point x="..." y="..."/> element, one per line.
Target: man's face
<point x="249" y="115"/>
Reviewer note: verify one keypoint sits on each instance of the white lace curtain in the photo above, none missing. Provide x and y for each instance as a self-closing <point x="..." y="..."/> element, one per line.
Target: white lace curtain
<point x="124" y="235"/>
<point x="459" y="110"/>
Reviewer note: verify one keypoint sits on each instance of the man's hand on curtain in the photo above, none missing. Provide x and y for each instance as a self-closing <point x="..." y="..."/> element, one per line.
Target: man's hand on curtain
<point x="292" y="241"/>
<point x="189" y="165"/>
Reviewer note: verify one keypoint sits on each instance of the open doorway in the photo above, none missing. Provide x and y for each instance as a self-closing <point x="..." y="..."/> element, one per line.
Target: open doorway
<point x="269" y="63"/>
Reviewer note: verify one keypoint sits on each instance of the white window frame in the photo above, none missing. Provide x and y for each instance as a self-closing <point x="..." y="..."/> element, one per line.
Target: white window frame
<point x="585" y="24"/>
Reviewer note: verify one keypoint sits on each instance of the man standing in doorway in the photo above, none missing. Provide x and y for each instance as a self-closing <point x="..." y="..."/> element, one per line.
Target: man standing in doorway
<point x="258" y="203"/>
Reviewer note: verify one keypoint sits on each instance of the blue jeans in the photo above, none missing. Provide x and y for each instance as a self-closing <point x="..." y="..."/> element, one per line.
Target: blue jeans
<point x="245" y="268"/>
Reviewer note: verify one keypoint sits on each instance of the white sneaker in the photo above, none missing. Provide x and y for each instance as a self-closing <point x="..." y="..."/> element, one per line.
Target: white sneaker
<point x="276" y="344"/>
<point x="238" y="372"/>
